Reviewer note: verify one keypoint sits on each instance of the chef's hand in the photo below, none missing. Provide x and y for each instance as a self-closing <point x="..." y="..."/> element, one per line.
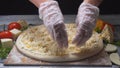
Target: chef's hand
<point x="52" y="17"/>
<point x="86" y="20"/>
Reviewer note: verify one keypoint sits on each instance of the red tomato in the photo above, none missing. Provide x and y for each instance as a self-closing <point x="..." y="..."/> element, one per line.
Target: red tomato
<point x="13" y="25"/>
<point x="5" y="34"/>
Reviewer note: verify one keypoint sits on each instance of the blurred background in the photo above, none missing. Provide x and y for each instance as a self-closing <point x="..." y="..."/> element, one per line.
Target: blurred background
<point x="24" y="7"/>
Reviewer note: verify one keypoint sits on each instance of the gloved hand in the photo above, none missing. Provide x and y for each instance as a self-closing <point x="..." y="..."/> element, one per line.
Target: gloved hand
<point x="85" y="21"/>
<point x="52" y="17"/>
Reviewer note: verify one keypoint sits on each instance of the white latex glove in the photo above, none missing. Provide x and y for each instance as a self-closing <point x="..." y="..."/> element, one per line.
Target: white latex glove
<point x="52" y="17"/>
<point x="86" y="21"/>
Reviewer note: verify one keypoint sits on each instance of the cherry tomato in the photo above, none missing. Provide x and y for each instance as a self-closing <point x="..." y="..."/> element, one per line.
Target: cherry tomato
<point x="13" y="25"/>
<point x="6" y="34"/>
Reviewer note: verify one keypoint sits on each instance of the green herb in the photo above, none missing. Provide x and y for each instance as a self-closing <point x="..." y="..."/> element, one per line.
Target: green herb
<point x="116" y="43"/>
<point x="97" y="29"/>
<point x="4" y="51"/>
<point x="105" y="41"/>
<point x="24" y="28"/>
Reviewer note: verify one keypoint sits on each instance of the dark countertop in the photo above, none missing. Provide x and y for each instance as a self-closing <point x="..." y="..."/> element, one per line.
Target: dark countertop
<point x="34" y="19"/>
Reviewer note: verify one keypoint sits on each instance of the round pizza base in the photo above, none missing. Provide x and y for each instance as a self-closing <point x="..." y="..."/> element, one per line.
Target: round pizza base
<point x="70" y="56"/>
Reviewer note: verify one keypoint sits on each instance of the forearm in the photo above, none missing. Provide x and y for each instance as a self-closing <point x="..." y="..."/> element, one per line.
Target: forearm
<point x="94" y="2"/>
<point x="37" y="2"/>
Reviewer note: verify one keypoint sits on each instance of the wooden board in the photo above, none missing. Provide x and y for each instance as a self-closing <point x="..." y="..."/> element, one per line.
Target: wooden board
<point x="17" y="58"/>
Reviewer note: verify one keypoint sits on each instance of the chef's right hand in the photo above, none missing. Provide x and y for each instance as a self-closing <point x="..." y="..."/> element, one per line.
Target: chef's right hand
<point x="52" y="17"/>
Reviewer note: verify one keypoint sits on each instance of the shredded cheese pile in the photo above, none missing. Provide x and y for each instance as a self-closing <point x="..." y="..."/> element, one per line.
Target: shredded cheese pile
<point x="37" y="39"/>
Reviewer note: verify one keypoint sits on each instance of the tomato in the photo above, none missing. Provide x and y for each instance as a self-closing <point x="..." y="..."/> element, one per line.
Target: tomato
<point x="101" y="24"/>
<point x="13" y="25"/>
<point x="6" y="34"/>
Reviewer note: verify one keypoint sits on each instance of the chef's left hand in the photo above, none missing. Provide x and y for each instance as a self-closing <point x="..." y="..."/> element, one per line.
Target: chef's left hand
<point x="86" y="20"/>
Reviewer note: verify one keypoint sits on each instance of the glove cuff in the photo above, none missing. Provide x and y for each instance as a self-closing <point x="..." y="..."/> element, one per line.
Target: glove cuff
<point x="92" y="7"/>
<point x="45" y="5"/>
<point x="86" y="12"/>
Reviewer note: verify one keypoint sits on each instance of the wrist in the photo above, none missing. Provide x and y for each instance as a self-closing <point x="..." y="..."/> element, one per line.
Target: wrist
<point x="86" y="5"/>
<point x="50" y="6"/>
<point x="87" y="13"/>
<point x="94" y="2"/>
<point x="37" y="2"/>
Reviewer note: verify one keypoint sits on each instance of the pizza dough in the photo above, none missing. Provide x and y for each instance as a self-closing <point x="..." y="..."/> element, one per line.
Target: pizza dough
<point x="36" y="43"/>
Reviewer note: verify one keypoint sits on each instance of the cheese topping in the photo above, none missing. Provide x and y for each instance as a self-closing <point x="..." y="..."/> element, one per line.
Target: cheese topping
<point x="37" y="40"/>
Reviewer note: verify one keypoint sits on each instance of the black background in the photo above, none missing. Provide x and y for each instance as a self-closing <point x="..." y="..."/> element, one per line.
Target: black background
<point x="24" y="7"/>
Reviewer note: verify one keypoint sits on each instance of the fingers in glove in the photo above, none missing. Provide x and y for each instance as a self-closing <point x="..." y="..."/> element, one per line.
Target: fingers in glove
<point x="79" y="37"/>
<point x="61" y="35"/>
<point x="82" y="37"/>
<point x="86" y="37"/>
